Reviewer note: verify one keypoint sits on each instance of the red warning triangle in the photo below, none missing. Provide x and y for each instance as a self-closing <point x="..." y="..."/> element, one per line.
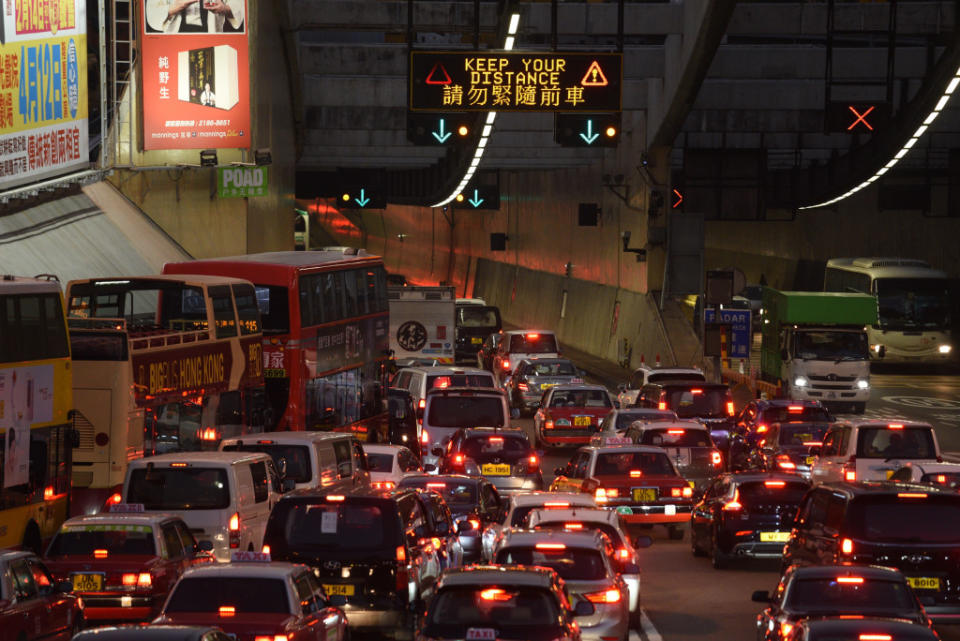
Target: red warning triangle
<point x="438" y="68"/>
<point x="594" y="76"/>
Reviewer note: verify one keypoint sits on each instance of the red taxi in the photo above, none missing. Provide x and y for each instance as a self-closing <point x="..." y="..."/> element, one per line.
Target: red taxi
<point x="123" y="565"/>
<point x="639" y="482"/>
<point x="255" y="599"/>
<point x="32" y="606"/>
<point x="571" y="414"/>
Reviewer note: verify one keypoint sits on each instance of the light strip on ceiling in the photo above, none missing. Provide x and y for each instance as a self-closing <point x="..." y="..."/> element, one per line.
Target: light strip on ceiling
<point x="921" y="130"/>
<point x="488" y="125"/>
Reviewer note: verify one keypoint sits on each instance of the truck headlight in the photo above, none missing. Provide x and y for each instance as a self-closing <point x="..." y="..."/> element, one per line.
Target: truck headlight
<point x="801" y="381"/>
<point x="863" y="384"/>
<point x="946" y="349"/>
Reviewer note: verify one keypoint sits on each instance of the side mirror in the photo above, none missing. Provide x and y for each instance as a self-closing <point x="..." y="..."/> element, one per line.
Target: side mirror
<point x="583" y="609"/>
<point x="437" y="451"/>
<point x="589" y="486"/>
<point x="630" y="568"/>
<point x="642" y="541"/>
<point x="289" y="484"/>
<point x="430" y="468"/>
<point x="760" y="596"/>
<point x="63" y="587"/>
<point x="337" y="600"/>
<point x="205" y="546"/>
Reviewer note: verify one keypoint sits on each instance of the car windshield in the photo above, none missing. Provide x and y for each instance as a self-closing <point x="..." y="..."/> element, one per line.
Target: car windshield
<point x="918" y="519"/>
<point x="444" y="381"/>
<point x="622" y="463"/>
<point x="595" y="398"/>
<point x="676" y="437"/>
<point x="660" y="377"/>
<point x="349" y="525"/>
<point x="533" y="344"/>
<point x="885" y="443"/>
<point x="846" y="594"/>
<point x="698" y="402"/>
<point x="801" y="434"/>
<point x="828" y="345"/>
<point x="295" y="457"/>
<point x="506" y="447"/>
<point x="380" y="462"/>
<point x="772" y="492"/>
<point x="455" y="493"/>
<point x="465" y="411"/>
<point x="509" y="612"/>
<point x="243" y="595"/>
<point x="556" y="368"/>
<point x="478" y="316"/>
<point x="572" y="564"/>
<point x="910" y="303"/>
<point x="179" y="488"/>
<point x="116" y="539"/>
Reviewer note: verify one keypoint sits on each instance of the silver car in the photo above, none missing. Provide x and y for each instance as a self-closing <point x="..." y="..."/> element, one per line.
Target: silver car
<point x="619" y="420"/>
<point x="580" y="560"/>
<point x="533" y="376"/>
<point x="687" y="443"/>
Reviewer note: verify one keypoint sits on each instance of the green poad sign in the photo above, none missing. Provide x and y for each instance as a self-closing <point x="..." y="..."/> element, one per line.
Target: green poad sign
<point x="241" y="182"/>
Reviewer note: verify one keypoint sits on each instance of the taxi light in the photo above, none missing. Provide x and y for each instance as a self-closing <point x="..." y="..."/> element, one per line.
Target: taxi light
<point x="606" y="596"/>
<point x="734" y="505"/>
<point x="687" y="492"/>
<point x="129" y="579"/>
<point x="911" y="495"/>
<point x="784" y="462"/>
<point x="533" y="336"/>
<point x="265" y="549"/>
<point x="775" y="483"/>
<point x="227" y="610"/>
<point x="436" y="486"/>
<point x="336" y="498"/>
<point x="494" y="594"/>
<point x="730" y="409"/>
<point x="100" y="554"/>
<point x="785" y="629"/>
<point x="114" y="499"/>
<point x="425" y="437"/>
<point x="48" y="493"/>
<point x="548" y="425"/>
<point x="423" y="403"/>
<point x="895" y="426"/>
<point x="551" y="546"/>
<point x="675" y="431"/>
<point x="846" y="546"/>
<point x="635" y="474"/>
<point x="875" y="637"/>
<point x="401" y="554"/>
<point x="716" y="458"/>
<point x="573" y="526"/>
<point x="556" y="504"/>
<point x="662" y="405"/>
<point x="144" y="580"/>
<point x="793" y="409"/>
<point x="850" y="580"/>
<point x="505" y="364"/>
<point x="235" y="522"/>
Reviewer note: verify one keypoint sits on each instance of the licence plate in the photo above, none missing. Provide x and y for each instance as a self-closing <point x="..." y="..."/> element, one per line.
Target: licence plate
<point x="495" y="469"/>
<point x="692" y="483"/>
<point x="889" y="473"/>
<point x="547" y="385"/>
<point x="924" y="582"/>
<point x="87" y="582"/>
<point x="774" y="537"/>
<point x="811" y="459"/>
<point x="644" y="494"/>
<point x="581" y="421"/>
<point x="476" y="340"/>
<point x="333" y="589"/>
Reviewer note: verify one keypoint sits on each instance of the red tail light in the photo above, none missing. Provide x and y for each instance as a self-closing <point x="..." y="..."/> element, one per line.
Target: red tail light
<point x="533" y="463"/>
<point x="548" y="425"/>
<point x="227" y="610"/>
<point x="761" y="429"/>
<point x="635" y="474"/>
<point x="458" y="459"/>
<point x="875" y="637"/>
<point x="846" y="546"/>
<point x="849" y="475"/>
<point x="675" y="492"/>
<point x="48" y="493"/>
<point x="383" y="485"/>
<point x="730" y="409"/>
<point x="115" y="499"/>
<point x="522" y="387"/>
<point x="505" y="364"/>
<point x="604" y="596"/>
<point x="716" y="458"/>
<point x="423" y="403"/>
<point x="685" y="492"/>
<point x="424" y="437"/>
<point x="784" y="463"/>
<point x="234" y="527"/>
<point x="401" y="554"/>
<point x="129" y="580"/>
<point x="734" y="505"/>
<point x="850" y="580"/>
<point x="785" y="629"/>
<point x="265" y="549"/>
<point x="603" y="494"/>
<point x="475" y="523"/>
<point x="100" y="554"/>
<point x="688" y="492"/>
<point x="662" y="405"/>
<point x="623" y="554"/>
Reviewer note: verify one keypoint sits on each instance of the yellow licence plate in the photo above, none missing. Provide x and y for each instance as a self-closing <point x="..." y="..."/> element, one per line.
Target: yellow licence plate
<point x="924" y="582"/>
<point x="495" y="469"/>
<point x="644" y="494"/>
<point x="338" y="590"/>
<point x="774" y="537"/>
<point x="890" y="473"/>
<point x="811" y="459"/>
<point x="581" y="421"/>
<point x="476" y="340"/>
<point x="87" y="582"/>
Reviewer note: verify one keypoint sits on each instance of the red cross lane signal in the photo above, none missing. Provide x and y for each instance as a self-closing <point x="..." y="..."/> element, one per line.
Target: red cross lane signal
<point x="860" y="117"/>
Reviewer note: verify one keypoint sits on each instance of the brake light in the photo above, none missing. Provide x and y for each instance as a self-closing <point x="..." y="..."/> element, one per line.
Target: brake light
<point x="846" y="546"/>
<point x="425" y="437"/>
<point x="716" y="458"/>
<point x="675" y="431"/>
<point x="548" y="425"/>
<point x="875" y="637"/>
<point x="100" y="554"/>
<point x="793" y="409"/>
<point x="129" y="580"/>
<point x="443" y="382"/>
<point x="114" y="499"/>
<point x="662" y="405"/>
<point x="743" y="533"/>
<point x="734" y="505"/>
<point x="383" y="485"/>
<point x="849" y="475"/>
<point x="458" y="459"/>
<point x="178" y="465"/>
<point x="573" y="526"/>
<point x="505" y="364"/>
<point x="494" y="594"/>
<point x="895" y="426"/>
<point x="533" y="462"/>
<point x="813" y="443"/>
<point x="556" y="504"/>
<point x="784" y="462"/>
<point x="336" y="498"/>
<point x="533" y="336"/>
<point x="475" y="523"/>
<point x="276" y="637"/>
<point x="775" y="483"/>
<point x="696" y="391"/>
<point x="436" y="486"/>
<point x="604" y="596"/>
<point x="687" y="492"/>
<point x="265" y="549"/>
<point x="635" y="474"/>
<point x="623" y="554"/>
<point x="522" y="387"/>
<point x="785" y="629"/>
<point x="941" y="478"/>
<point x="496" y="439"/>
<point x="227" y="610"/>
<point x="730" y="409"/>
<point x="423" y="403"/>
<point x="550" y="546"/>
<point x="761" y="429"/>
<point x="48" y="493"/>
<point x="911" y="495"/>
<point x="401" y="554"/>
<point x="850" y="580"/>
<point x="209" y="434"/>
<point x="675" y="492"/>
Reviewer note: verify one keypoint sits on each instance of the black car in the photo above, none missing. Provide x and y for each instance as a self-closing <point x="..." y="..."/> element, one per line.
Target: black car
<point x="473" y="324"/>
<point x="154" y="633"/>
<point x="861" y="629"/>
<point x="757" y="416"/>
<point x="371" y="547"/>
<point x="402" y="419"/>
<point x="442" y="530"/>
<point x="487" y="350"/>
<point x="502" y="456"/>
<point x="709" y="403"/>
<point x="788" y="447"/>
<point x="745" y="516"/>
<point x="914" y="528"/>
<point x="832" y="591"/>
<point x="473" y="501"/>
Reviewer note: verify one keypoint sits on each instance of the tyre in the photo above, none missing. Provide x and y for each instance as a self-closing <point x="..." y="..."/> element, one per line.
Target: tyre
<point x="718" y="558"/>
<point x="675" y="532"/>
<point x="694" y="547"/>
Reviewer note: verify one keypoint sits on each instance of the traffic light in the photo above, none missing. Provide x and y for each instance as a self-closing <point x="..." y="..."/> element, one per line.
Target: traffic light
<point x="587" y="130"/>
<point x="439" y="129"/>
<point x="479" y="197"/>
<point x="358" y="197"/>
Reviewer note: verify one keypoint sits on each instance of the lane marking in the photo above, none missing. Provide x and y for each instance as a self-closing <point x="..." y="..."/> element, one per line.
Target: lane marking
<point x="926" y="402"/>
<point x="649" y="631"/>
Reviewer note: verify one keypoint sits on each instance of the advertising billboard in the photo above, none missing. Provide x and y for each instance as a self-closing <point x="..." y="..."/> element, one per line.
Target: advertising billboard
<point x="43" y="89"/>
<point x="195" y="74"/>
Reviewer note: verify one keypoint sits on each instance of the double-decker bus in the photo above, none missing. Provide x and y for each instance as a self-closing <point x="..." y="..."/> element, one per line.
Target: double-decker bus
<point x="160" y="364"/>
<point x="325" y="326"/>
<point x="35" y="401"/>
<point x="913" y="306"/>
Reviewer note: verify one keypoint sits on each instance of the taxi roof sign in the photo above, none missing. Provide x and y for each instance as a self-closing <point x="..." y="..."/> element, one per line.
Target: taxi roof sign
<point x="606" y="441"/>
<point x="239" y="556"/>
<point x="127" y="508"/>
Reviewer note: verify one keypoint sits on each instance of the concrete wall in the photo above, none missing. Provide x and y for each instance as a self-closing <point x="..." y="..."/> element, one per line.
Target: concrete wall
<point x="183" y="201"/>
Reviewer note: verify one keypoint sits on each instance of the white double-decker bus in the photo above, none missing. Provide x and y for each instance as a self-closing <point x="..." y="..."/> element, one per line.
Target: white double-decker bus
<point x="913" y="306"/>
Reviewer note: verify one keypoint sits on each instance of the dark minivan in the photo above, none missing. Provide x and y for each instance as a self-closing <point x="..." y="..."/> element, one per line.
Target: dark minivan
<point x="914" y="528"/>
<point x="473" y="324"/>
<point x="709" y="403"/>
<point x="372" y="548"/>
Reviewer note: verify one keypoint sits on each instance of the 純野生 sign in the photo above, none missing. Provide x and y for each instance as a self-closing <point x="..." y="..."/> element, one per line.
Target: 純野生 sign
<point x="515" y="81"/>
<point x="241" y="182"/>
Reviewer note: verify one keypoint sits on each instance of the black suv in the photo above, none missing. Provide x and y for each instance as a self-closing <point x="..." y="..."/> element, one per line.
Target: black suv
<point x="473" y="324"/>
<point x="373" y="548"/>
<point x="503" y="457"/>
<point x="709" y="403"/>
<point x="754" y="421"/>
<point x="914" y="528"/>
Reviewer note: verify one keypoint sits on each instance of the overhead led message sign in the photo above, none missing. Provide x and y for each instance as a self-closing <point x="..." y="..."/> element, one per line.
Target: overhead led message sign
<point x="515" y="81"/>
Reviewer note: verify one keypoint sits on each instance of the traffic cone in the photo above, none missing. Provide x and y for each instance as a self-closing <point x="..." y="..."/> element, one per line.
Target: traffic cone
<point x="658" y="360"/>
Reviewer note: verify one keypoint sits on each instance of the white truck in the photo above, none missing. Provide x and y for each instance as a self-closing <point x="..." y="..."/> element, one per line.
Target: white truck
<point x="422" y="323"/>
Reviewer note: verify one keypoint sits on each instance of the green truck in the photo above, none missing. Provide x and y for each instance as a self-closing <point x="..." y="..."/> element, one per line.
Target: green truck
<point x="814" y="345"/>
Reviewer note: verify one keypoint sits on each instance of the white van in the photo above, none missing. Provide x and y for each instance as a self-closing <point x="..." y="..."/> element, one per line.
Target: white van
<point x="223" y="497"/>
<point x="420" y="380"/>
<point x="455" y="408"/>
<point x="307" y="459"/>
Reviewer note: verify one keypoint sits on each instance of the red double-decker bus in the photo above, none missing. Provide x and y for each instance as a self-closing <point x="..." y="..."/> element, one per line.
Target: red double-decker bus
<point x="325" y="336"/>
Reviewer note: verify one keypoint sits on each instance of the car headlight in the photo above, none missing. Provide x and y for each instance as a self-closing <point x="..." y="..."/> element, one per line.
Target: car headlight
<point x="863" y="384"/>
<point x="800" y="381"/>
<point x="946" y="349"/>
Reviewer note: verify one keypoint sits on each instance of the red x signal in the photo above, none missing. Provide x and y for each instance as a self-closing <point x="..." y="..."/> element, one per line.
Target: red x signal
<point x="861" y="117"/>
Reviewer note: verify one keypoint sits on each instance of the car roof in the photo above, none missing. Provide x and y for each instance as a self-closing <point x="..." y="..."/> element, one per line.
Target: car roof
<point x="223" y="458"/>
<point x="786" y="402"/>
<point x="474" y="391"/>
<point x="12" y="555"/>
<point x="517" y="332"/>
<point x="614" y="449"/>
<point x="514" y="537"/>
<point x="145" y="633"/>
<point x="549" y="359"/>
<point x="286" y="437"/>
<point x="861" y="423"/>
<point x="121" y="518"/>
<point x="271" y="570"/>
<point x="756" y="477"/>
<point x="668" y="369"/>
<point x="591" y="514"/>
<point x="344" y="488"/>
<point x="874" y="572"/>
<point x="692" y="383"/>
<point x="881" y="488"/>
<point x="441" y="370"/>
<point x="899" y="629"/>
<point x="498" y="575"/>
<point x="928" y="467"/>
<point x="540" y="497"/>
<point x="488" y="431"/>
<point x="384" y="449"/>
<point x="579" y="386"/>
<point x="662" y="425"/>
<point x="441" y="478"/>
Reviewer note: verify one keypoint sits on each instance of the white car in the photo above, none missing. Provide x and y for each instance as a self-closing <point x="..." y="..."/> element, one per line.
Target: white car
<point x="390" y="463"/>
<point x="872" y="450"/>
<point x="645" y="374"/>
<point x="519" y="505"/>
<point x="939" y="474"/>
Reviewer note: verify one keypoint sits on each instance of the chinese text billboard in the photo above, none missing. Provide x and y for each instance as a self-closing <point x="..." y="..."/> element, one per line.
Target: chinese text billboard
<point x="43" y="89"/>
<point x="195" y="74"/>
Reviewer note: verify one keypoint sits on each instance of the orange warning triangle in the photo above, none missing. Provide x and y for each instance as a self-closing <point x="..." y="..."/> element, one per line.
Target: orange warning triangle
<point x="434" y="81"/>
<point x="594" y="76"/>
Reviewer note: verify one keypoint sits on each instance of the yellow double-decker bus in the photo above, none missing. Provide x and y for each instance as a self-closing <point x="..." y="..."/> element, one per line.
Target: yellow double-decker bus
<point x="36" y="394"/>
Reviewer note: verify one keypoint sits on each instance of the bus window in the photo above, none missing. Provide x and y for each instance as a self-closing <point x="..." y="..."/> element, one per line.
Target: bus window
<point x="274" y="308"/>
<point x="223" y="311"/>
<point x="247" y="311"/>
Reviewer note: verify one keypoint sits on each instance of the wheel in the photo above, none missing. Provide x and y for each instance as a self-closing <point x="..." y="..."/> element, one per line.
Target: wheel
<point x="696" y="549"/>
<point x="718" y="558"/>
<point x="675" y="532"/>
